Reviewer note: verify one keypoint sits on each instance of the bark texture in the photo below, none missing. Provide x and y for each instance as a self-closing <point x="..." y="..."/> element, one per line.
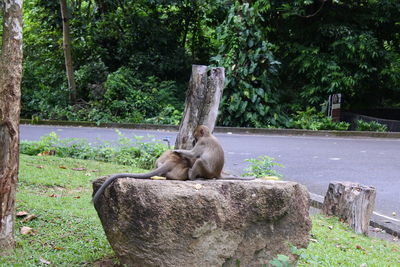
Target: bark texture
<point x="67" y="52"/>
<point x="203" y="223"/>
<point x="352" y="202"/>
<point x="202" y="103"/>
<point x="10" y="96"/>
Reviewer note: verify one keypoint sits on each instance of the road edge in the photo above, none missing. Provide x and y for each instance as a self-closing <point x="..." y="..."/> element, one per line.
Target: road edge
<point x="220" y="129"/>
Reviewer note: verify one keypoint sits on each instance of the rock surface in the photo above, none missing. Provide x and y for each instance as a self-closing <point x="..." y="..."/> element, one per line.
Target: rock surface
<point x="203" y="223"/>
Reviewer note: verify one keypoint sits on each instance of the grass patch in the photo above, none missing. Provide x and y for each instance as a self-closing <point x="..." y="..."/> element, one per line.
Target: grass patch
<point x="334" y="244"/>
<point x="67" y="231"/>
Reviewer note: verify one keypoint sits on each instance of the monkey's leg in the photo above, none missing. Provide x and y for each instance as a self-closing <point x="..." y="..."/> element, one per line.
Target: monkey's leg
<point x="199" y="169"/>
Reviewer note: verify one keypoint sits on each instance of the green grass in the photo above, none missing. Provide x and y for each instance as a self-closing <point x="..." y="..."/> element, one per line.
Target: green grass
<point x="68" y="232"/>
<point x="334" y="244"/>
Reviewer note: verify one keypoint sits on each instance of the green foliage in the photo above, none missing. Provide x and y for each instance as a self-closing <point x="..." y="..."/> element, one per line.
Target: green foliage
<point x="169" y="115"/>
<point x="127" y="96"/>
<point x="126" y="151"/>
<point x="310" y="119"/>
<point x="373" y="126"/>
<point x="89" y="80"/>
<point x="281" y="261"/>
<point x="339" y="47"/>
<point x="262" y="166"/>
<point x="250" y="95"/>
<point x="279" y="57"/>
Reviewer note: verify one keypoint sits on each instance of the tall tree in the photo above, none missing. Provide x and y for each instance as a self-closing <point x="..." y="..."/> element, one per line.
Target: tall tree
<point x="10" y="96"/>
<point x="67" y="52"/>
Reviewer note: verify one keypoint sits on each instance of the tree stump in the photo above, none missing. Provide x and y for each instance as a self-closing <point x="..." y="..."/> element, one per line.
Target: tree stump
<point x="202" y="102"/>
<point x="352" y="202"/>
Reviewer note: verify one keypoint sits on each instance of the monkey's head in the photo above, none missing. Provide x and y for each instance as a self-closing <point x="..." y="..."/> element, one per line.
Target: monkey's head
<point x="199" y="132"/>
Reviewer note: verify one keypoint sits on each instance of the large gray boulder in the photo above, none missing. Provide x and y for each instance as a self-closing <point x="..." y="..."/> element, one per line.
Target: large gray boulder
<point x="203" y="223"/>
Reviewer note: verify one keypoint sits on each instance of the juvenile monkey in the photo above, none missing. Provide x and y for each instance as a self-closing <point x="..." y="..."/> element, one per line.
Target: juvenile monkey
<point x="169" y="164"/>
<point x="207" y="155"/>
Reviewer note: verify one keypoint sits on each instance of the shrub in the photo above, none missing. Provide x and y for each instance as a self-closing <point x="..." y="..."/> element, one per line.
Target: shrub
<point x="126" y="151"/>
<point x="127" y="94"/>
<point x="310" y="119"/>
<point x="370" y="126"/>
<point x="262" y="166"/>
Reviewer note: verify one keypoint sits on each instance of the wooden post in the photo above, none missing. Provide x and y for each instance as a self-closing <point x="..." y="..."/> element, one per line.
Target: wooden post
<point x="202" y="102"/>
<point x="352" y="202"/>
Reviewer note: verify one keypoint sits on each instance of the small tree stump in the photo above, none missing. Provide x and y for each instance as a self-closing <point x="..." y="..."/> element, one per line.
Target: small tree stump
<point x="202" y="102"/>
<point x="352" y="202"/>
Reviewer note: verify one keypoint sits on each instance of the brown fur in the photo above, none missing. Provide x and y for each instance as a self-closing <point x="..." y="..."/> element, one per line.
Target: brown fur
<point x="170" y="165"/>
<point x="207" y="155"/>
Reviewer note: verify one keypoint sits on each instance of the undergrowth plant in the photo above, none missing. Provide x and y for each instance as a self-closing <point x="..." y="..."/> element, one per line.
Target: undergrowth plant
<point x="126" y="151"/>
<point x="310" y="119"/>
<point x="262" y="166"/>
<point x="373" y="126"/>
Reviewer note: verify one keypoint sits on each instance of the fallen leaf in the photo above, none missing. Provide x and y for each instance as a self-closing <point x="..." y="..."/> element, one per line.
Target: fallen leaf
<point x="58" y="248"/>
<point x="77" y="197"/>
<point x="363" y="265"/>
<point x="21" y="213"/>
<point x="26" y="230"/>
<point x="54" y="195"/>
<point x="47" y="153"/>
<point x="79" y="169"/>
<point x="376" y="230"/>
<point x="88" y="174"/>
<point x="313" y="240"/>
<point x="62" y="167"/>
<point x="359" y="247"/>
<point x="29" y="218"/>
<point x="94" y="170"/>
<point x="40" y="167"/>
<point x="330" y="227"/>
<point x="44" y="261"/>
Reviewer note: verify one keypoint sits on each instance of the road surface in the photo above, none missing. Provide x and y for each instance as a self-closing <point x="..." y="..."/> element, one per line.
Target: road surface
<point x="312" y="161"/>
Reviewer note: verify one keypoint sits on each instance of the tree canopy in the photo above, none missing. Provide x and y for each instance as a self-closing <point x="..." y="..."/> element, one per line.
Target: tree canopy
<point x="132" y="58"/>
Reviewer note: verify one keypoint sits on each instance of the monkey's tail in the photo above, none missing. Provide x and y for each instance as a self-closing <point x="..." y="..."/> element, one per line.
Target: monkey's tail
<point x="160" y="170"/>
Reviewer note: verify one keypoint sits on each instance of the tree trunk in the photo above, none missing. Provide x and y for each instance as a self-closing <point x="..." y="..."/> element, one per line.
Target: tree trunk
<point x="202" y="102"/>
<point x="67" y="52"/>
<point x="10" y="96"/>
<point x="352" y="202"/>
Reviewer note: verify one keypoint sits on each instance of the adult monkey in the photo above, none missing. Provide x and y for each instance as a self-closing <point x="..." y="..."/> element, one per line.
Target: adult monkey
<point x="207" y="155"/>
<point x="169" y="164"/>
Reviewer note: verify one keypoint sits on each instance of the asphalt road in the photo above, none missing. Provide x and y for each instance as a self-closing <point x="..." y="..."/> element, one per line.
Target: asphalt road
<point x="312" y="161"/>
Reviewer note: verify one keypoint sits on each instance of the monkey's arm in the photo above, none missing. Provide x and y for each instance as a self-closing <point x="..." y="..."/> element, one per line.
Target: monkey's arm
<point x="190" y="154"/>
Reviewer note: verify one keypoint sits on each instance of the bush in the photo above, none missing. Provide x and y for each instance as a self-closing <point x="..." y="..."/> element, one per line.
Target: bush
<point x="370" y="126"/>
<point x="262" y="166"/>
<point x="169" y="115"/>
<point x="313" y="120"/>
<point x="89" y="80"/>
<point x="126" y="151"/>
<point x="129" y="96"/>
